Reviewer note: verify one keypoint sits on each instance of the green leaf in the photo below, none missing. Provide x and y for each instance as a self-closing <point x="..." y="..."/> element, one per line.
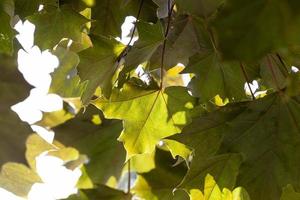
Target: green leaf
<point x="216" y="77"/>
<point x="35" y="145"/>
<point x="177" y="149"/>
<point x="202" y="8"/>
<point x="99" y="142"/>
<point x="273" y="73"/>
<point x="56" y="118"/>
<point x="7" y="34"/>
<point x="213" y="192"/>
<point x="109" y="17"/>
<point x="142" y="163"/>
<point x="151" y="37"/>
<point x="25" y="8"/>
<point x="205" y="135"/>
<point x="224" y="168"/>
<point x="104" y="192"/>
<point x="289" y="193"/>
<point x="61" y="23"/>
<point x="159" y="184"/>
<point x="13" y="90"/>
<point x="17" y="178"/>
<point x="182" y="42"/>
<point x="267" y="135"/>
<point x="241" y="21"/>
<point x="149" y="116"/>
<point x="65" y="81"/>
<point x="163" y="8"/>
<point x="98" y="65"/>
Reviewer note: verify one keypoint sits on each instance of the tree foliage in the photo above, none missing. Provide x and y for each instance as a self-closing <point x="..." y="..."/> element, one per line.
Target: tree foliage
<point x="214" y="138"/>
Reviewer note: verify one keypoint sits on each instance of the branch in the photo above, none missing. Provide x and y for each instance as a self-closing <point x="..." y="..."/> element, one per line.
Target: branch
<point x="170" y="11"/>
<point x="129" y="178"/>
<point x="127" y="48"/>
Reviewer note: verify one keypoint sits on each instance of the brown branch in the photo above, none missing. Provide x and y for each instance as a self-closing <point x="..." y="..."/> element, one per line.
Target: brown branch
<point x="127" y="48"/>
<point x="135" y="25"/>
<point x="129" y="178"/>
<point x="170" y="11"/>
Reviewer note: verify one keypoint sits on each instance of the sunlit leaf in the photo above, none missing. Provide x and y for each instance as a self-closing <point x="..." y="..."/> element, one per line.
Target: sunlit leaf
<point x="289" y="193"/>
<point x="148" y="115"/>
<point x="17" y="178"/>
<point x="213" y="192"/>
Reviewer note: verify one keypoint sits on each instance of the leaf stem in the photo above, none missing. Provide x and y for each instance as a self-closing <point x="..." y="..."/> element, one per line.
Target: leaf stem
<point x="170" y="11"/>
<point x="247" y="80"/>
<point x="129" y="178"/>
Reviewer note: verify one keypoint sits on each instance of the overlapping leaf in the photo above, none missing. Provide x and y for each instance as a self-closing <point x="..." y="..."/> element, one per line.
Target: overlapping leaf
<point x="151" y="36"/>
<point x="182" y="42"/>
<point x="98" y="64"/>
<point x="205" y="135"/>
<point x="215" y="77"/>
<point x="159" y="183"/>
<point x="267" y="134"/>
<point x="213" y="192"/>
<point x="98" y="142"/>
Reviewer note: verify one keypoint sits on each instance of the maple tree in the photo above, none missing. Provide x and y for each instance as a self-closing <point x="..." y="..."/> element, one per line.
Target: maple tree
<point x="214" y="138"/>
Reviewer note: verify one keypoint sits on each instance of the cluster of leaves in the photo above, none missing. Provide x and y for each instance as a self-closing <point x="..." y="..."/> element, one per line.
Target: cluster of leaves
<point x="228" y="144"/>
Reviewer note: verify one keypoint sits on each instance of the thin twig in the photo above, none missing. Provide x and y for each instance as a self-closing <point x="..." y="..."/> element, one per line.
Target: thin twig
<point x="129" y="178"/>
<point x="135" y="24"/>
<point x="170" y="11"/>
<point x="127" y="48"/>
<point x="247" y="80"/>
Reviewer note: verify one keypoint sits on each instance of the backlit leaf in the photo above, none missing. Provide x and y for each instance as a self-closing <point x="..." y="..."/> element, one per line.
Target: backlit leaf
<point x="148" y="115"/>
